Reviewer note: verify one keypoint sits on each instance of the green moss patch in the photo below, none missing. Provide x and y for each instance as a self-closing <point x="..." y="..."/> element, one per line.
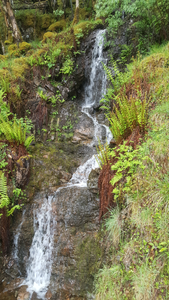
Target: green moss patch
<point x="57" y="26"/>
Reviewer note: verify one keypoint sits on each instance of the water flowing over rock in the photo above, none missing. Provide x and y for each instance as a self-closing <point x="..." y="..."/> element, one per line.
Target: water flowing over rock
<point x="40" y="262"/>
<point x="59" y="247"/>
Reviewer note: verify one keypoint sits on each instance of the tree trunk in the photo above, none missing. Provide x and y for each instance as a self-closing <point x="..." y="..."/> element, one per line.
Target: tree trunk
<point x="76" y="16"/>
<point x="71" y="7"/>
<point x="77" y="4"/>
<point x="11" y="21"/>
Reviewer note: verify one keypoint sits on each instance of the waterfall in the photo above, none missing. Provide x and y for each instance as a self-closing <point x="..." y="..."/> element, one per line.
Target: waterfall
<point x="16" y="238"/>
<point x="93" y="94"/>
<point x="40" y="261"/>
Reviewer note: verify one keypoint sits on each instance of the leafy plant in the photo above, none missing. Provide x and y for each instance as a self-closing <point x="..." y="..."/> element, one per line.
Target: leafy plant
<point x="128" y="161"/>
<point x="42" y="95"/>
<point x="3" y="155"/>
<point x="4" y="199"/>
<point x="103" y="154"/>
<point x="127" y="115"/>
<point x="67" y="67"/>
<point x="50" y="57"/>
<point x="149" y="19"/>
<point x="13" y="131"/>
<point x="58" y="12"/>
<point x="79" y="35"/>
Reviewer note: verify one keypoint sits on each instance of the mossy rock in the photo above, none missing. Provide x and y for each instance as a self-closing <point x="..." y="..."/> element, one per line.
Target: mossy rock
<point x="24" y="47"/>
<point x="2" y="57"/>
<point x="12" y="47"/>
<point x="8" y="42"/>
<point x="86" y="27"/>
<point x="57" y="26"/>
<point x="48" y="35"/>
<point x="27" y="20"/>
<point x="83" y="14"/>
<point x="45" y="21"/>
<point x="19" y="67"/>
<point x="34" y="19"/>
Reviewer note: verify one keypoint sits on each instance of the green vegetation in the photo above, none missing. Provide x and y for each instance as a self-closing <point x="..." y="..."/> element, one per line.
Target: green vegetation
<point x="148" y="20"/>
<point x="14" y="130"/>
<point x="56" y="48"/>
<point x="137" y="228"/>
<point x="18" y="68"/>
<point x="137" y="108"/>
<point x="4" y="199"/>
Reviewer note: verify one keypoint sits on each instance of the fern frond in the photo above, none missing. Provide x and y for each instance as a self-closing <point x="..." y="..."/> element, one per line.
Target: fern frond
<point x="4" y="199"/>
<point x="103" y="155"/>
<point x="29" y="140"/>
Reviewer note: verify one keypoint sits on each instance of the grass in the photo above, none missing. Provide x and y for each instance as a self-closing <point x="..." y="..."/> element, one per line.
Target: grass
<point x="138" y="235"/>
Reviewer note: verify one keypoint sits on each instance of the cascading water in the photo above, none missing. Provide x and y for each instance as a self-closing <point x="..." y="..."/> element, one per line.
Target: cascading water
<point x="40" y="261"/>
<point x="93" y="96"/>
<point x="16" y="238"/>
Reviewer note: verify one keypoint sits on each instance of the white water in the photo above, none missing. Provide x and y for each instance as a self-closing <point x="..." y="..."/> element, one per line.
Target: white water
<point x="40" y="261"/>
<point x="16" y="238"/>
<point x="81" y="175"/>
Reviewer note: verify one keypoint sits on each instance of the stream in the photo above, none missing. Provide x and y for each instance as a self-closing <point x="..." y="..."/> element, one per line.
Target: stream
<point x="54" y="216"/>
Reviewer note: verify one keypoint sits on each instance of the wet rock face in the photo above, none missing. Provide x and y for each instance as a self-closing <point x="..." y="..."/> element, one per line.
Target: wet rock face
<point x="92" y="182"/>
<point x="84" y="130"/>
<point x="76" y="247"/>
<point x="77" y="252"/>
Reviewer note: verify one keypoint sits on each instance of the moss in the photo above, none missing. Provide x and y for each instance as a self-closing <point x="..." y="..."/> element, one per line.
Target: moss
<point x="48" y="35"/>
<point x="34" y="19"/>
<point x="8" y="42"/>
<point x="86" y="27"/>
<point x="27" y="20"/>
<point x="21" y="160"/>
<point x="89" y="256"/>
<point x="45" y="21"/>
<point x="24" y="47"/>
<point x="19" y="67"/>
<point x="2" y="57"/>
<point x="76" y="16"/>
<point x="17" y="52"/>
<point x="12" y="48"/>
<point x="4" y="73"/>
<point x="57" y="26"/>
<point x="83" y="14"/>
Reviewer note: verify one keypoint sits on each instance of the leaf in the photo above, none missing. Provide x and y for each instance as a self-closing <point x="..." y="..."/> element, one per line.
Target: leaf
<point x="163" y="249"/>
<point x="116" y="178"/>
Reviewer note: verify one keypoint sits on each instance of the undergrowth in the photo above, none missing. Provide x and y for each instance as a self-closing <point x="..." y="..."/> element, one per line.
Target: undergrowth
<point x="137" y="229"/>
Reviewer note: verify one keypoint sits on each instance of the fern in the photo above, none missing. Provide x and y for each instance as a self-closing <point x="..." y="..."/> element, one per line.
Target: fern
<point x="103" y="154"/>
<point x="127" y="115"/>
<point x="4" y="199"/>
<point x="14" y="131"/>
<point x="10" y="212"/>
<point x="28" y="141"/>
